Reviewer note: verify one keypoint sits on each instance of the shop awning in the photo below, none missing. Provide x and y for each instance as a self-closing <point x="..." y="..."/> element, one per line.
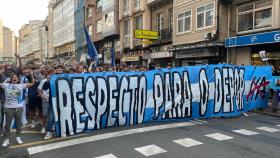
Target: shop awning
<point x="253" y="39"/>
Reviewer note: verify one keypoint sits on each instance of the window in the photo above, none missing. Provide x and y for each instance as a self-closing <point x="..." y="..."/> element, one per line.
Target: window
<point x="137" y="4"/>
<point x="99" y="26"/>
<point x="126" y="33"/>
<point x="126" y="27"/>
<point x="90" y="30"/>
<point x="89" y="12"/>
<point x="184" y="21"/>
<point x="170" y="17"/>
<point x="159" y="21"/>
<point x="254" y="15"/>
<point x="139" y="22"/>
<point x="125" y="7"/>
<point x="109" y="20"/>
<point x="107" y="4"/>
<point x="99" y="4"/>
<point x="205" y="16"/>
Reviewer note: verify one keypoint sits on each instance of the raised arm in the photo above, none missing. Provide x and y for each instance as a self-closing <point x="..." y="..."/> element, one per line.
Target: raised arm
<point x="19" y="60"/>
<point x="32" y="80"/>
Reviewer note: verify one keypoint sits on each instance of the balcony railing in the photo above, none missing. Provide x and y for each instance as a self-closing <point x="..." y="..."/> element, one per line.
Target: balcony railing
<point x="165" y="35"/>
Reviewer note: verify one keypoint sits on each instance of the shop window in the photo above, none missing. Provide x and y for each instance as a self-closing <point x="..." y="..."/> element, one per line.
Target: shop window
<point x="254" y="16"/>
<point x="205" y="16"/>
<point x="184" y="21"/>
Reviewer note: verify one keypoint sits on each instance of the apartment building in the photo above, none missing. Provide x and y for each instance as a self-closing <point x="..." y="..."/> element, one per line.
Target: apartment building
<point x="200" y="27"/>
<point x="38" y="44"/>
<point x="64" y="30"/>
<point x="162" y="22"/>
<point x="26" y="40"/>
<point x="102" y="20"/>
<point x="50" y="53"/>
<point x="8" y="36"/>
<point x="254" y="27"/>
<point x="1" y="39"/>
<point x="80" y="42"/>
<point x="133" y="15"/>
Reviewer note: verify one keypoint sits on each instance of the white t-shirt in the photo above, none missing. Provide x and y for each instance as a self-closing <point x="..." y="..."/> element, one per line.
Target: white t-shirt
<point x="14" y="95"/>
<point x="45" y="95"/>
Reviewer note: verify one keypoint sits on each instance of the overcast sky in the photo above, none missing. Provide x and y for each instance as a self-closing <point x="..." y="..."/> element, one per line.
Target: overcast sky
<point x="15" y="13"/>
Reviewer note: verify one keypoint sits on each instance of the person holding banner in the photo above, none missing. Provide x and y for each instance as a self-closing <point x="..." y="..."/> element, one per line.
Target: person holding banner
<point x="275" y="90"/>
<point x="14" y="106"/>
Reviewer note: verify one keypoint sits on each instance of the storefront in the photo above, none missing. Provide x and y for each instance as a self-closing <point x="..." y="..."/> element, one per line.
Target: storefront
<point x="199" y="54"/>
<point x="245" y="49"/>
<point x="161" y="59"/>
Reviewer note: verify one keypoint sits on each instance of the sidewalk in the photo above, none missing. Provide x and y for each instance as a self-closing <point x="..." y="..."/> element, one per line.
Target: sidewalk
<point x="268" y="111"/>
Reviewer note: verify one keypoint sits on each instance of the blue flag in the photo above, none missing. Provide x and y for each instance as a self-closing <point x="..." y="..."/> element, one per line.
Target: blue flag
<point x="113" y="57"/>
<point x="92" y="52"/>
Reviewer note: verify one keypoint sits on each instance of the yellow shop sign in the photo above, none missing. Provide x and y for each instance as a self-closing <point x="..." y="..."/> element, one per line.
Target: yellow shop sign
<point x="146" y="34"/>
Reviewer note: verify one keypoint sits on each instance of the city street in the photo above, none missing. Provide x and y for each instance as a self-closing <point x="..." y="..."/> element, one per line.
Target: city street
<point x="255" y="136"/>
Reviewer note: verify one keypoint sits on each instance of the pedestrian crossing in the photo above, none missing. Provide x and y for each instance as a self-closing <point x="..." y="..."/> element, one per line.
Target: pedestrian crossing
<point x="245" y="132"/>
<point x="268" y="129"/>
<point x="153" y="149"/>
<point x="219" y="136"/>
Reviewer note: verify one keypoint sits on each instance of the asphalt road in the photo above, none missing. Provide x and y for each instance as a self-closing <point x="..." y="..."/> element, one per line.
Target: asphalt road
<point x="255" y="136"/>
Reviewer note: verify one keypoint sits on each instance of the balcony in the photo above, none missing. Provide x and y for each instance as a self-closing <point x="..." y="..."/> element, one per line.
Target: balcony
<point x="165" y="35"/>
<point x="126" y="41"/>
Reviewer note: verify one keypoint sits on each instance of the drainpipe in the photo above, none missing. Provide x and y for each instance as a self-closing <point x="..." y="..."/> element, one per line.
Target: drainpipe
<point x="229" y="21"/>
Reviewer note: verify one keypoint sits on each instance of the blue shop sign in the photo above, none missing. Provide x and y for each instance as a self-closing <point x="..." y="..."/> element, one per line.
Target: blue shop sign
<point x="262" y="38"/>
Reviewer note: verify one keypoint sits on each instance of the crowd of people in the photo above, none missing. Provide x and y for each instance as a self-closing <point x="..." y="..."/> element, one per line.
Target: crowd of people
<point x="25" y="91"/>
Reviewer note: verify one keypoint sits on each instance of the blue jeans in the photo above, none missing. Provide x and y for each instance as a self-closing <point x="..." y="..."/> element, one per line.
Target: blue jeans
<point x="50" y="122"/>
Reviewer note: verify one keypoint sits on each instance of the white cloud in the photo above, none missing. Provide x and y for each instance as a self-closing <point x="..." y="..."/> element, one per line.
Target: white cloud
<point x="15" y="13"/>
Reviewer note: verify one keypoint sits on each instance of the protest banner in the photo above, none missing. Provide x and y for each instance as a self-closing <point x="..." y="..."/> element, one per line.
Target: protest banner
<point x="92" y="101"/>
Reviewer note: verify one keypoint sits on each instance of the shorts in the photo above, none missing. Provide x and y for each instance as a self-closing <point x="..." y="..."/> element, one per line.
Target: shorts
<point x="45" y="108"/>
<point x="35" y="102"/>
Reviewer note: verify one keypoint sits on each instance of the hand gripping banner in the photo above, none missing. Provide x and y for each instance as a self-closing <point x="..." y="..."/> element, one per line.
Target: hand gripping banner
<point x="92" y="101"/>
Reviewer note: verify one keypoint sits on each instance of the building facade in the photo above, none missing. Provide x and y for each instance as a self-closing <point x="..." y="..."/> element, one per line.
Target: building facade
<point x="162" y="22"/>
<point x="79" y="30"/>
<point x="1" y="40"/>
<point x="133" y="15"/>
<point x="63" y="30"/>
<point x="254" y="27"/>
<point x="102" y="21"/>
<point x="26" y="40"/>
<point x="50" y="53"/>
<point x="38" y="43"/>
<point x="8" y="36"/>
<point x="199" y="31"/>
